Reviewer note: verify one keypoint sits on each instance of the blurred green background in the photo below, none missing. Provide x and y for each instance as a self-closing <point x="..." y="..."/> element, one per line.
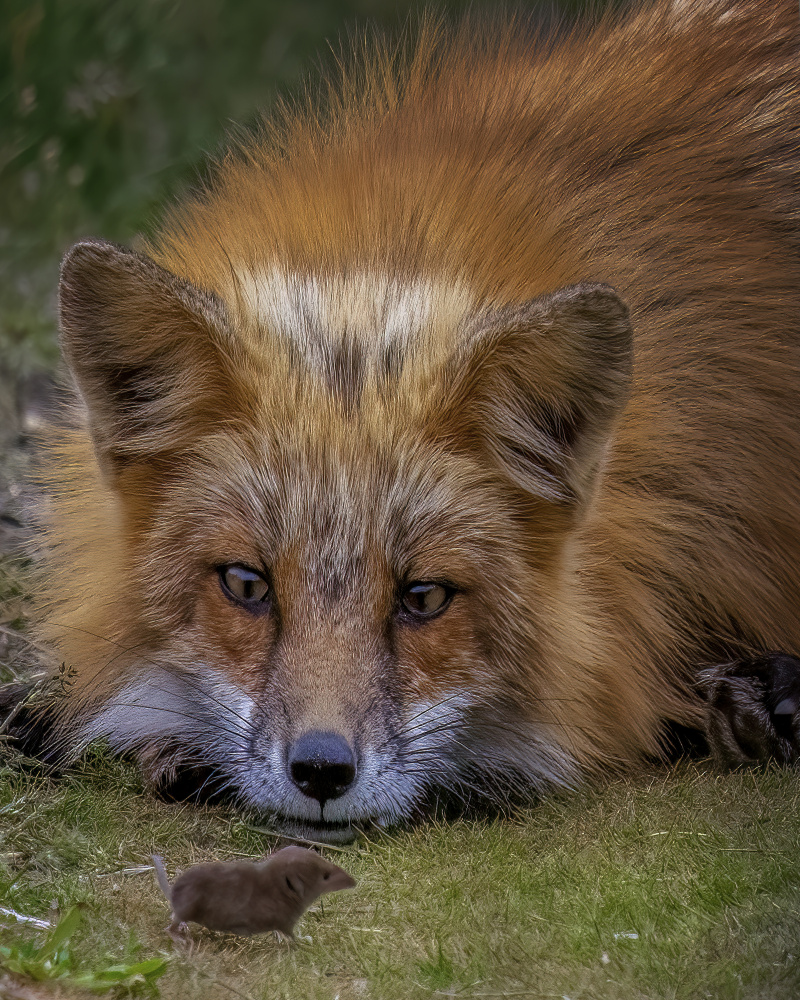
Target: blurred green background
<point x="109" y="108"/>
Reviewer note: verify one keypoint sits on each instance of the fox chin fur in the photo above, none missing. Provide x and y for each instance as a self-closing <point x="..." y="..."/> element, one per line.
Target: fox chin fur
<point x="507" y="314"/>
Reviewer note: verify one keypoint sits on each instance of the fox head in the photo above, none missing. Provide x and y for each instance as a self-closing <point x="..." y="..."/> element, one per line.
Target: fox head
<point x="336" y="519"/>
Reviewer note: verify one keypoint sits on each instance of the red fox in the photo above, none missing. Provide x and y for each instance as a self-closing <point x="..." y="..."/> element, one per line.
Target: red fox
<point x="446" y="444"/>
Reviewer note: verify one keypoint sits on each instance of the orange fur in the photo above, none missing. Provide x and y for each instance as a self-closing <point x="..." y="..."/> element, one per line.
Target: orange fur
<point x="368" y="360"/>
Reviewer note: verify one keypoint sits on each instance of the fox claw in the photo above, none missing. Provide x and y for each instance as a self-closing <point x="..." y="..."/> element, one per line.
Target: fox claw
<point x="753" y="710"/>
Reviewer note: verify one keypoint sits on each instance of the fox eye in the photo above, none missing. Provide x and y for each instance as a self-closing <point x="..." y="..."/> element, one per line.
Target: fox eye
<point x="424" y="599"/>
<point x="244" y="586"/>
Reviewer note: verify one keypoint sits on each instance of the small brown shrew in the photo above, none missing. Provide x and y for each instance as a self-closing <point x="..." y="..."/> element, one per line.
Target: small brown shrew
<point x="242" y="897"/>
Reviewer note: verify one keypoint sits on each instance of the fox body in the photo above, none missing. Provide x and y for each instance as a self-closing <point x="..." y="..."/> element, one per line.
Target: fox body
<point x="443" y="439"/>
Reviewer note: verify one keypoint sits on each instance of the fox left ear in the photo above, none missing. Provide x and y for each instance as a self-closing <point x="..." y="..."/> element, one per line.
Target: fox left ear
<point x="150" y="354"/>
<point x="537" y="389"/>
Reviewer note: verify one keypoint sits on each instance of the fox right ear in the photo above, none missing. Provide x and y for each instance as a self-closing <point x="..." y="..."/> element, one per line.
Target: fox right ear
<point x="537" y="388"/>
<point x="150" y="353"/>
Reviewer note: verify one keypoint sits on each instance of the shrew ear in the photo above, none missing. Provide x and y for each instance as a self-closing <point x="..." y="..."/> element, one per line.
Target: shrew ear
<point x="148" y="352"/>
<point x="538" y="387"/>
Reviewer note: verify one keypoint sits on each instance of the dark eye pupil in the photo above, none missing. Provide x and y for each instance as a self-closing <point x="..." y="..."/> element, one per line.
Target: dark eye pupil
<point x="244" y="584"/>
<point x="425" y="598"/>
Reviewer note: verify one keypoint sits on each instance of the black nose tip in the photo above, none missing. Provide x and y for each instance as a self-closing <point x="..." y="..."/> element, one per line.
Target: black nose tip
<point x="322" y="765"/>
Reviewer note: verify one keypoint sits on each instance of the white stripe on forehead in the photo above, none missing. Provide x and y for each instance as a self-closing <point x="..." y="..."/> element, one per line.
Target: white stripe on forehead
<point x="371" y="308"/>
<point x="686" y="11"/>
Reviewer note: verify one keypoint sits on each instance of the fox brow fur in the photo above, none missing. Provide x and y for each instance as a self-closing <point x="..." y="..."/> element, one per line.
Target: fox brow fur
<point x="501" y="194"/>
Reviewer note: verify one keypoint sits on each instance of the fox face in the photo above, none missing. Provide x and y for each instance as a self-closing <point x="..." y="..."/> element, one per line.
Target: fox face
<point x="332" y="592"/>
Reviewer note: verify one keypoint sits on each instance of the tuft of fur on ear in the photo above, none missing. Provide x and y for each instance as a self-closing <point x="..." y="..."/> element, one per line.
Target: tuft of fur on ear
<point x="148" y="351"/>
<point x="537" y="389"/>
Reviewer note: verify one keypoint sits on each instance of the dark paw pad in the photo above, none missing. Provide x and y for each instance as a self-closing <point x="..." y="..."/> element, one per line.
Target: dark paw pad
<point x="753" y="709"/>
<point x="26" y="726"/>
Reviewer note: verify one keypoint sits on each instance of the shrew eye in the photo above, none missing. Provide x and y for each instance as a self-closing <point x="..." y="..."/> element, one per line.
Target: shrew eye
<point x="244" y="586"/>
<point x="424" y="599"/>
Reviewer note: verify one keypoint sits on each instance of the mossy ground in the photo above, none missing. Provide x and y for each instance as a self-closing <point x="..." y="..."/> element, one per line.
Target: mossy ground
<point x="679" y="884"/>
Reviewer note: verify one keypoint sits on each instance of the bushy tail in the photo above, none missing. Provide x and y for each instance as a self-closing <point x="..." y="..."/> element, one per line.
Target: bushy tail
<point x="161" y="875"/>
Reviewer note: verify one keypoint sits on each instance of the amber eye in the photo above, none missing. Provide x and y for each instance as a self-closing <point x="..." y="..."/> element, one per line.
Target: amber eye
<point x="423" y="599"/>
<point x="244" y="586"/>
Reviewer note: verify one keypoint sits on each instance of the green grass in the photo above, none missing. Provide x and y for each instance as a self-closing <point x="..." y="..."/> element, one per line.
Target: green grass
<point x="680" y="884"/>
<point x="53" y="962"/>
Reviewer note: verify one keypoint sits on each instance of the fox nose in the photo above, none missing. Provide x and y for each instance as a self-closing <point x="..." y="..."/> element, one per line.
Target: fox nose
<point x="322" y="765"/>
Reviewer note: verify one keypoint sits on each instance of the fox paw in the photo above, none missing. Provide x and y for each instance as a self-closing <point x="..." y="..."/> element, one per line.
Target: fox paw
<point x="753" y="709"/>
